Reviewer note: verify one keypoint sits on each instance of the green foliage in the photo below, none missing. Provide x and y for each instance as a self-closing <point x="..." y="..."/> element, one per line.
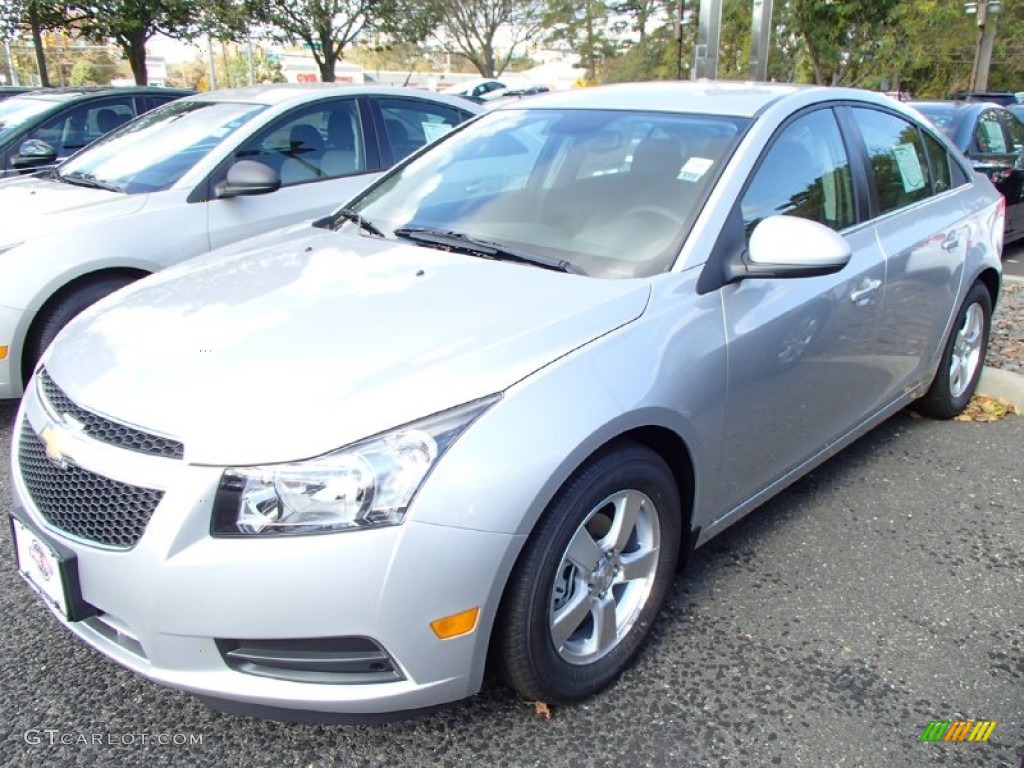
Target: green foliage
<point x="584" y="26"/>
<point x="841" y="36"/>
<point x="653" y="58"/>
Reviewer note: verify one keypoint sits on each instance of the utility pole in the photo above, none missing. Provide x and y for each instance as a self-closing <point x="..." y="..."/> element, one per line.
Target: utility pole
<point x="705" y="53"/>
<point x="760" y="39"/>
<point x="985" y="10"/>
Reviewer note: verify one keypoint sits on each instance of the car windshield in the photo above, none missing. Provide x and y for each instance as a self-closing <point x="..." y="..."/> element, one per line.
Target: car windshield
<point x="14" y="112"/>
<point x="610" y="193"/>
<point x="154" y="151"/>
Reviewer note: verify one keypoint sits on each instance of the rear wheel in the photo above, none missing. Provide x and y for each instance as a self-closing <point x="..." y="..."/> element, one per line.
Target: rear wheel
<point x="592" y="577"/>
<point x="62" y="311"/>
<point x="962" y="359"/>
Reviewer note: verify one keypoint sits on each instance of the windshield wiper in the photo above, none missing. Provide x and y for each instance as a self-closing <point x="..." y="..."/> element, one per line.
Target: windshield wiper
<point x="487" y="249"/>
<point x="88" y="180"/>
<point x="347" y="214"/>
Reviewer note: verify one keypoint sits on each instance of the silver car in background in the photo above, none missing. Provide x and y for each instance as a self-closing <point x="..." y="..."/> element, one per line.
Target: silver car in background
<point x="487" y="408"/>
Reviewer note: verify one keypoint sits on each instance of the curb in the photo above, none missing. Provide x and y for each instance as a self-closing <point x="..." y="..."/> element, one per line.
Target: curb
<point x="1006" y="385"/>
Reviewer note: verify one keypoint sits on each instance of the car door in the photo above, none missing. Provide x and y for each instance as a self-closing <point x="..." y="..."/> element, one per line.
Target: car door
<point x="324" y="157"/>
<point x="801" y="370"/>
<point x="923" y="231"/>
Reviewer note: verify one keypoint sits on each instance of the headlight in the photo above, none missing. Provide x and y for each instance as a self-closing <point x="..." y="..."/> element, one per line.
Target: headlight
<point x="367" y="484"/>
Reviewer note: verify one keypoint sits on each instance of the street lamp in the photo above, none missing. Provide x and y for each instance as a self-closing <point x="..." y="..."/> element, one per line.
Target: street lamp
<point x="986" y="39"/>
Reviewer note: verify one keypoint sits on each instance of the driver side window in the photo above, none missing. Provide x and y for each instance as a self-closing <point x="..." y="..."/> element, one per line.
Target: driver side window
<point x="805" y="173"/>
<point x="311" y="144"/>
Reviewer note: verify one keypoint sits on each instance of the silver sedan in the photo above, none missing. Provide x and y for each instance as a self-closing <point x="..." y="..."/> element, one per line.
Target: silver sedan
<point x="486" y="409"/>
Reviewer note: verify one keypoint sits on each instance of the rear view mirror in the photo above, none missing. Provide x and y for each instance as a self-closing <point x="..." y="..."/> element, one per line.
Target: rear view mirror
<point x="248" y="177"/>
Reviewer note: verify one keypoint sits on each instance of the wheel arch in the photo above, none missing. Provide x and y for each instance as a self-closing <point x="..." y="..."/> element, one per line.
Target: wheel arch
<point x="990" y="279"/>
<point x="57" y="296"/>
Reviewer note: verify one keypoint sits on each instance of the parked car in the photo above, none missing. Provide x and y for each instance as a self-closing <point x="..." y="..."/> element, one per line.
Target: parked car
<point x="45" y="126"/>
<point x="992" y="137"/>
<point x="6" y="91"/>
<point x="194" y="175"/>
<point x="485" y="409"/>
<point x="1002" y="98"/>
<point x="481" y="89"/>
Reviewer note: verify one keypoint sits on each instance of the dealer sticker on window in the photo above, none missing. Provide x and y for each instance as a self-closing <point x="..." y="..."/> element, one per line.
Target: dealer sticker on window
<point x="695" y="168"/>
<point x="910" y="167"/>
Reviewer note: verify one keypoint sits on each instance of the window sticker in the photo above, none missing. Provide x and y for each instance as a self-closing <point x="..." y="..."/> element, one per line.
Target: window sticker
<point x="434" y="131"/>
<point x="695" y="168"/>
<point x="910" y="167"/>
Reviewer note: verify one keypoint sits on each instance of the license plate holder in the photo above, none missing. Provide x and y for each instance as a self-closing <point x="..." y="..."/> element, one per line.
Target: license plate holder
<point x="50" y="569"/>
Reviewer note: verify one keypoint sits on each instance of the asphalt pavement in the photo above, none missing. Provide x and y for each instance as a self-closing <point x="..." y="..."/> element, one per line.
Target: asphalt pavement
<point x="828" y="628"/>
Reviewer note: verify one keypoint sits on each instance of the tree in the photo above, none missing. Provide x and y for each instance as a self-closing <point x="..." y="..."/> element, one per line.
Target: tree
<point x="583" y="26"/>
<point x="131" y="23"/>
<point x="35" y="16"/>
<point x="327" y="27"/>
<point x="842" y="36"/>
<point x="469" y="28"/>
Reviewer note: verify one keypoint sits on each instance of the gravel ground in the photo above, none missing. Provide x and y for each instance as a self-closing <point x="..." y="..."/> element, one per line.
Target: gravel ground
<point x="1006" y="343"/>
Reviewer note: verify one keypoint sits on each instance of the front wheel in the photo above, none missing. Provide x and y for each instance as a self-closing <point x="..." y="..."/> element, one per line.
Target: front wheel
<point x="62" y="311"/>
<point x="962" y="359"/>
<point x="592" y="577"/>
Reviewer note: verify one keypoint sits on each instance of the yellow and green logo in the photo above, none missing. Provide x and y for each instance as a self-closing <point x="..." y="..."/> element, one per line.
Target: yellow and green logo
<point x="958" y="730"/>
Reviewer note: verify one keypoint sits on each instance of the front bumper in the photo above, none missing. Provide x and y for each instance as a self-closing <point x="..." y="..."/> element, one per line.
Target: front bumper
<point x="163" y="604"/>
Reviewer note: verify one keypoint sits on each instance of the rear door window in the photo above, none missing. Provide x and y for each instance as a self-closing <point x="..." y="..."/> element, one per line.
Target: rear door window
<point x="897" y="156"/>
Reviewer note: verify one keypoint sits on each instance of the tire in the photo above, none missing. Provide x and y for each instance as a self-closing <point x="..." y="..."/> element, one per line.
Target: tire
<point x="621" y="577"/>
<point x="962" y="359"/>
<point x="61" y="312"/>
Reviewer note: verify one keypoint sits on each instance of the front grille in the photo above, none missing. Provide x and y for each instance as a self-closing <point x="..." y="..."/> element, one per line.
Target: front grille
<point x="82" y="503"/>
<point x="105" y="430"/>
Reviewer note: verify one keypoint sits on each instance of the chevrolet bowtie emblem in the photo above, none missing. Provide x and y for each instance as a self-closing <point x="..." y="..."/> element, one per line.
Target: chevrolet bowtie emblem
<point x="56" y="446"/>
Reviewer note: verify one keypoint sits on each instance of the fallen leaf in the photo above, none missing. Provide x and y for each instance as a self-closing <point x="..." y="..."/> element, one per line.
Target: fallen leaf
<point x="541" y="709"/>
<point x="985" y="408"/>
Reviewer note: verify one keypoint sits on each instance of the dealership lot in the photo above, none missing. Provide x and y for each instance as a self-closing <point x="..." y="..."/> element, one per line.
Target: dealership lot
<point x="829" y="628"/>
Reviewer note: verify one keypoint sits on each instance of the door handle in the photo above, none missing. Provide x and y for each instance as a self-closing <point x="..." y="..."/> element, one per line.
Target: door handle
<point x="862" y="294"/>
<point x="951" y="243"/>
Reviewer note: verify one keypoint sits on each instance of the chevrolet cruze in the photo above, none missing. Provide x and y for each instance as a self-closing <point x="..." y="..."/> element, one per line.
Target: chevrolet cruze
<point x="487" y="408"/>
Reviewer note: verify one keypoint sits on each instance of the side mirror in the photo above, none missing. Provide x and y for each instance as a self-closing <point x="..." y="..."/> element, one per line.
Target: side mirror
<point x="34" y="152"/>
<point x="787" y="247"/>
<point x="247" y="177"/>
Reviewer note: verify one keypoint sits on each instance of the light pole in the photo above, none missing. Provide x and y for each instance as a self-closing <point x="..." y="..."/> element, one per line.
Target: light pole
<point x="985" y="10"/>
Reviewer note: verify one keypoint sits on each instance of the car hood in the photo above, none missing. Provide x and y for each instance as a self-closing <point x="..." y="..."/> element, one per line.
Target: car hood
<point x="308" y="344"/>
<point x="33" y="206"/>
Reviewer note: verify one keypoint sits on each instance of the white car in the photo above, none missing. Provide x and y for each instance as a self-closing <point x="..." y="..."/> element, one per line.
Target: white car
<point x="189" y="177"/>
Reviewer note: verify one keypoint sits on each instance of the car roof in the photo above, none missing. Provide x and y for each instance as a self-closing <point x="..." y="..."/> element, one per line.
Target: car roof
<point x="297" y="93"/>
<point x="86" y="92"/>
<point x="735" y="99"/>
